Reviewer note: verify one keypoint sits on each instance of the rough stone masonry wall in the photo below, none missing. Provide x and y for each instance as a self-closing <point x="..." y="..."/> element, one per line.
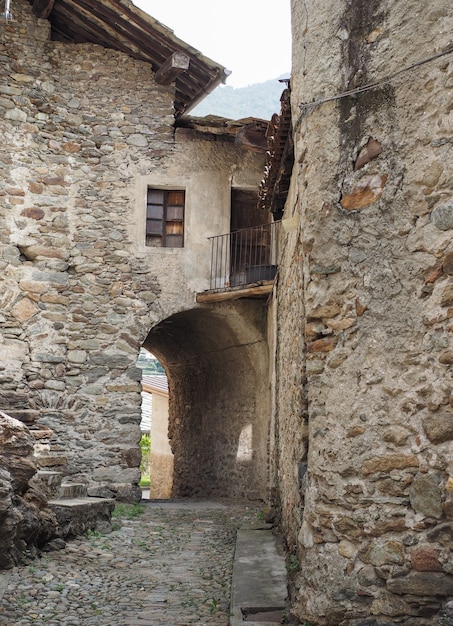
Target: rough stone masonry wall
<point x="84" y="131"/>
<point x="26" y="522"/>
<point x="78" y="124"/>
<point x="371" y="519"/>
<point x="218" y="419"/>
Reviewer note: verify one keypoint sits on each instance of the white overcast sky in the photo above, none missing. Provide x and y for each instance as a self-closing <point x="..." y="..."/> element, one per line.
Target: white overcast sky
<point x="252" y="38"/>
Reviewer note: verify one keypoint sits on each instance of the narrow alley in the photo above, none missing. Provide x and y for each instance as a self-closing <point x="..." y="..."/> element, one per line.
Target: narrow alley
<point x="166" y="563"/>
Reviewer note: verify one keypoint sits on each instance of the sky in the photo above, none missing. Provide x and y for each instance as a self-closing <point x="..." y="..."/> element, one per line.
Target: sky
<point x="252" y="38"/>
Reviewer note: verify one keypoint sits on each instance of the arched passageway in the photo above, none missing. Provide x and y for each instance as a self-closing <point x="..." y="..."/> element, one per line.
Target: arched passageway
<point x="216" y="359"/>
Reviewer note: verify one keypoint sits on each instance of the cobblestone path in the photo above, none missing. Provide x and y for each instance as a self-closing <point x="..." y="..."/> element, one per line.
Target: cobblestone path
<point x="169" y="566"/>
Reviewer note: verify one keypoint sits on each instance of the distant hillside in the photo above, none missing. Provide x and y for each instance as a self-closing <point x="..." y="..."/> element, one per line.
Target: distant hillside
<point x="261" y="100"/>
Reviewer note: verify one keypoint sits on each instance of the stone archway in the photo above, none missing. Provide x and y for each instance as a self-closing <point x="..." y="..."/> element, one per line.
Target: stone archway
<point x="216" y="359"/>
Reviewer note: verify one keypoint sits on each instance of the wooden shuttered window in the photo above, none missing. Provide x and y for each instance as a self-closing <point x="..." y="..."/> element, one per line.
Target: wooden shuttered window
<point x="165" y="218"/>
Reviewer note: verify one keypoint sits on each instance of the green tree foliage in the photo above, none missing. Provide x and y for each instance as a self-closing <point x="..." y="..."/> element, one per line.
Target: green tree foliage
<point x="145" y="447"/>
<point x="149" y="364"/>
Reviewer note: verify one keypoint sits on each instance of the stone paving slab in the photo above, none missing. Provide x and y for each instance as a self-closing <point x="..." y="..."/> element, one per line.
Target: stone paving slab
<point x="171" y="566"/>
<point x="259" y="586"/>
<point x="5" y="577"/>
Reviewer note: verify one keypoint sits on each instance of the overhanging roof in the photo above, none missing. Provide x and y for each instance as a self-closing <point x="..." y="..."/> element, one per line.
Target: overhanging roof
<point x="120" y="25"/>
<point x="155" y="383"/>
<point x="280" y="160"/>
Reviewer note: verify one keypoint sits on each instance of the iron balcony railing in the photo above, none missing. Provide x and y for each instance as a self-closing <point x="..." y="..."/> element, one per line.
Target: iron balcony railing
<point x="244" y="256"/>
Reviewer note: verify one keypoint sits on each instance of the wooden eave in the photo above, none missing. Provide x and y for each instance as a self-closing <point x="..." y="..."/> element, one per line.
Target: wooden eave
<point x="280" y="159"/>
<point x="120" y="25"/>
<point x="248" y="133"/>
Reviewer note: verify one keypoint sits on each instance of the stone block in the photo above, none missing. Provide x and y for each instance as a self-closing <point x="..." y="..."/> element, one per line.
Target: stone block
<point x="448" y="263"/>
<point x="326" y="344"/>
<point x="368" y="153"/>
<point x="442" y="534"/>
<point x="364" y="192"/>
<point x="425" y="495"/>
<point x="383" y="552"/>
<point x="128" y="492"/>
<point x="116" y="474"/>
<point x="388" y="463"/>
<point x="446" y="358"/>
<point x="425" y="559"/>
<point x="323" y="312"/>
<point x="442" y="216"/>
<point x="26" y="416"/>
<point x="33" y="286"/>
<point x="51" y="460"/>
<point x="76" y="516"/>
<point x="391" y="605"/>
<point x="16" y="115"/>
<point x="15" y="437"/>
<point x="439" y="427"/>
<point x="13" y="400"/>
<point x="76" y="356"/>
<point x="434" y="584"/>
<point x="446" y="297"/>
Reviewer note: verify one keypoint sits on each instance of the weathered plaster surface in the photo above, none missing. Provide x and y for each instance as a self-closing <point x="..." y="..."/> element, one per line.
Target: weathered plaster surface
<point x="371" y="518"/>
<point x="161" y="457"/>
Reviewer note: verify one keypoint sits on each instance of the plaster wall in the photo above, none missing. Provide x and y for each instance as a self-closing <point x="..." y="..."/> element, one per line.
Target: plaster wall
<point x="84" y="131"/>
<point x="161" y="457"/>
<point x="364" y="408"/>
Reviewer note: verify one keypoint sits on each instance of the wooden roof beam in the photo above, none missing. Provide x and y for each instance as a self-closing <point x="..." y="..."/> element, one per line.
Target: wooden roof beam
<point x="173" y="66"/>
<point x="258" y="290"/>
<point x="43" y="8"/>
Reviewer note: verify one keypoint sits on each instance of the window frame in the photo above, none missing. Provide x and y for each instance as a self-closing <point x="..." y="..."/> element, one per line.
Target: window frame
<point x="172" y="226"/>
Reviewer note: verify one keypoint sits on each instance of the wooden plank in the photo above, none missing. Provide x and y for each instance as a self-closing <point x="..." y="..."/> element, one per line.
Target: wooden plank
<point x="258" y="291"/>
<point x="173" y="66"/>
<point x="43" y="8"/>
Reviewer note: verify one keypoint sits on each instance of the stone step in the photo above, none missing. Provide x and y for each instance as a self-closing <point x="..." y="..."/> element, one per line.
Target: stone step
<point x="26" y="416"/>
<point x="72" y="490"/>
<point x="40" y="433"/>
<point x="44" y="459"/>
<point x="50" y="477"/>
<point x="78" y="515"/>
<point x="48" y="481"/>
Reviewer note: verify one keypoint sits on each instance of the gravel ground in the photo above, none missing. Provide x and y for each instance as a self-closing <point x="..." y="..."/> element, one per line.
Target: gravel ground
<point x="169" y="566"/>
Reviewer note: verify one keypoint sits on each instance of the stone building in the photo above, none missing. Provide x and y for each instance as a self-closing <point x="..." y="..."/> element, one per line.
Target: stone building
<point x="331" y="397"/>
<point x="108" y="200"/>
<point x="363" y="417"/>
<point x="160" y="464"/>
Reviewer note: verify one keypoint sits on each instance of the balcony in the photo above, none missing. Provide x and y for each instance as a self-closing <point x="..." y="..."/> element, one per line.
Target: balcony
<point x="243" y="263"/>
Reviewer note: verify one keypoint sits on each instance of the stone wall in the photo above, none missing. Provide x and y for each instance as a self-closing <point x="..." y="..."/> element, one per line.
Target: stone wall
<point x="75" y="305"/>
<point x="216" y="359"/>
<point x="26" y="522"/>
<point x="366" y="398"/>
<point x="84" y="131"/>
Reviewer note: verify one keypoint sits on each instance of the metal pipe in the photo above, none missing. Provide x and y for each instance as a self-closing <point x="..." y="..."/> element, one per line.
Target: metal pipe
<point x="7" y="15"/>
